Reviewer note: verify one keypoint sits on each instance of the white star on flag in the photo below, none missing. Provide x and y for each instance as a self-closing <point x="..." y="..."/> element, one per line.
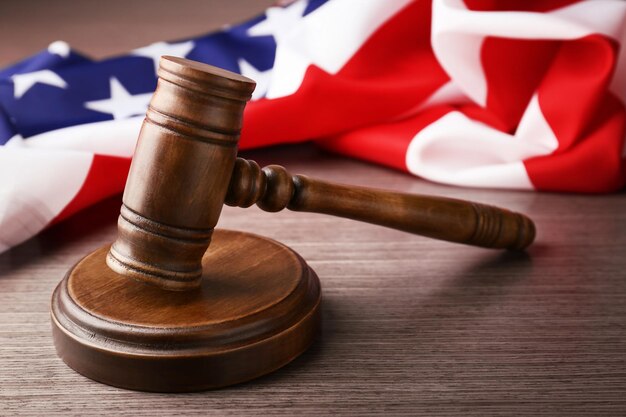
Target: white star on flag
<point x="23" y="82"/>
<point x="262" y="78"/>
<point x="60" y="48"/>
<point x="280" y="21"/>
<point x="122" y="104"/>
<point x="158" y="49"/>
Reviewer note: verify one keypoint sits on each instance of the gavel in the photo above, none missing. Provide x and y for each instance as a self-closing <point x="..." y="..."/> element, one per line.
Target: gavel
<point x="217" y="313"/>
<point x="185" y="168"/>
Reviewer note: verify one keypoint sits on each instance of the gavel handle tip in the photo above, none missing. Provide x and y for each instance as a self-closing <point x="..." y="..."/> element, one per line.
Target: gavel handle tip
<point x="527" y="233"/>
<point x="500" y="228"/>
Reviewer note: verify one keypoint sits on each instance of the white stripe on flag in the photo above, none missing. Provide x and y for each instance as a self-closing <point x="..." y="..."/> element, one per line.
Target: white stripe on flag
<point x="458" y="150"/>
<point x="458" y="35"/>
<point x="110" y="137"/>
<point x="315" y="41"/>
<point x="46" y="181"/>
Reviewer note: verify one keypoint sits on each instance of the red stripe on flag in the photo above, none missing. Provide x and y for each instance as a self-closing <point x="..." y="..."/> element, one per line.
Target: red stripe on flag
<point x="389" y="75"/>
<point x="106" y="177"/>
<point x="593" y="164"/>
<point x="387" y="144"/>
<point x="517" y="5"/>
<point x="384" y="144"/>
<point x="576" y="85"/>
<point x="513" y="69"/>
<point x="587" y="119"/>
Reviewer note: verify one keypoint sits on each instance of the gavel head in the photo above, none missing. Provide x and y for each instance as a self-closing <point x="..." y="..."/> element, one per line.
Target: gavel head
<point x="180" y="173"/>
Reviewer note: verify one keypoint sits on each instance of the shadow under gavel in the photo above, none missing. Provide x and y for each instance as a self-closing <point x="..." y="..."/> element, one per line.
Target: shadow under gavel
<point x="248" y="305"/>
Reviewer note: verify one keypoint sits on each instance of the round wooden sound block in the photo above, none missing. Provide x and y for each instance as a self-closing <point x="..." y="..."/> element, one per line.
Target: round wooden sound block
<point x="257" y="309"/>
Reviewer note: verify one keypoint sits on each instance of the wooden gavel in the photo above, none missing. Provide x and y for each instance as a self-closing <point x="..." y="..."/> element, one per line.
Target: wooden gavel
<point x="185" y="168"/>
<point x="248" y="305"/>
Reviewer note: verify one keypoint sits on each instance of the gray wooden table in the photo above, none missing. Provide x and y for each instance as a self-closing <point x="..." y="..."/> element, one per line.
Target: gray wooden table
<point x="411" y="326"/>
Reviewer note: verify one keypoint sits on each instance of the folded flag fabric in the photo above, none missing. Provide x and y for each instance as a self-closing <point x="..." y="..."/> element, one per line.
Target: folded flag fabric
<point x="485" y="93"/>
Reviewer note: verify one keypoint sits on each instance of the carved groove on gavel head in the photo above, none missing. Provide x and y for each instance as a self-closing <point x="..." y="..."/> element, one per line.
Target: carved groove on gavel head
<point x="185" y="168"/>
<point x="180" y="173"/>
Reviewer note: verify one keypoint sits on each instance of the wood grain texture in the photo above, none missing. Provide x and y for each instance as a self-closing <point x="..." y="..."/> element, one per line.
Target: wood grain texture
<point x="410" y="325"/>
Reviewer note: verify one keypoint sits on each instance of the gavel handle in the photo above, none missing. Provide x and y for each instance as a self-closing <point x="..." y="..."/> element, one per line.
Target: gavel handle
<point x="274" y="189"/>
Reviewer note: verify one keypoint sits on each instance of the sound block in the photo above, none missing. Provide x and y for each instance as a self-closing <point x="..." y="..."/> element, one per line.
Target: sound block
<point x="257" y="309"/>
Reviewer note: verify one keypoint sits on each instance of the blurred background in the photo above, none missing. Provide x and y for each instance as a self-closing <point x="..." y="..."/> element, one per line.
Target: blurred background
<point x="99" y="28"/>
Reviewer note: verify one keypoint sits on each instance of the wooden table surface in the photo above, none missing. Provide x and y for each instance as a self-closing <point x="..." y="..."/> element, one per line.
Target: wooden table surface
<point x="411" y="326"/>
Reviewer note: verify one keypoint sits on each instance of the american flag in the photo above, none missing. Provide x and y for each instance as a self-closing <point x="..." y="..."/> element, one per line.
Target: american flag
<point x="484" y="93"/>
